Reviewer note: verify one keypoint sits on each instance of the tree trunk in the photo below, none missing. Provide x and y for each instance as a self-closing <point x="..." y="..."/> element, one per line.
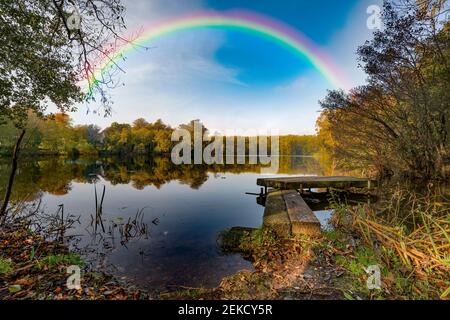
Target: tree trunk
<point x="11" y="177"/>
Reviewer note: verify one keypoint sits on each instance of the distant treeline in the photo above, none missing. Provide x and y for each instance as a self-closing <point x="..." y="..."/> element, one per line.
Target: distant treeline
<point x="56" y="135"/>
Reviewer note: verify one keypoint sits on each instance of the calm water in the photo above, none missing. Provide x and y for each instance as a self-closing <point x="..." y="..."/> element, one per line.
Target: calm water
<point x="178" y="212"/>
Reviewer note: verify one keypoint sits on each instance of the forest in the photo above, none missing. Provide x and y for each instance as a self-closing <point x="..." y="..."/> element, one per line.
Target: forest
<point x="56" y="135"/>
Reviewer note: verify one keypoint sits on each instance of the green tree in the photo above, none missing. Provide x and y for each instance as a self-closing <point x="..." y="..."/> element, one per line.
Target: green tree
<point x="45" y="52"/>
<point x="398" y="122"/>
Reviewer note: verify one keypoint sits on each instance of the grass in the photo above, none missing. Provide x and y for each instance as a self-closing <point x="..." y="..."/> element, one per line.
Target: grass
<point x="61" y="259"/>
<point x="262" y="237"/>
<point x="6" y="265"/>
<point x="34" y="268"/>
<point x="407" y="235"/>
<point x="354" y="257"/>
<point x="246" y="239"/>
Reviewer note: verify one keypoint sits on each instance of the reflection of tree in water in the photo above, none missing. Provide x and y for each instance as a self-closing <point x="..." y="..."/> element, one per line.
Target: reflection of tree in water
<point x="55" y="175"/>
<point x="26" y="185"/>
<point x="143" y="172"/>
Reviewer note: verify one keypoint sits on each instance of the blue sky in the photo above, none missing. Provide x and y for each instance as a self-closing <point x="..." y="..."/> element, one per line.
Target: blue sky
<point x="234" y="80"/>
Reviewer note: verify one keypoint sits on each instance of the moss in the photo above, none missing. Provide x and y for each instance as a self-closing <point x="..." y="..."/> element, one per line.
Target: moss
<point x="354" y="261"/>
<point x="263" y="237"/>
<point x="230" y="240"/>
<point x="6" y="266"/>
<point x="239" y="239"/>
<point x="64" y="259"/>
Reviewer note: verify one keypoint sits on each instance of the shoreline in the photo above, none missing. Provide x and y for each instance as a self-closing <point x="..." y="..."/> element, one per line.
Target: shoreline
<point x="332" y="265"/>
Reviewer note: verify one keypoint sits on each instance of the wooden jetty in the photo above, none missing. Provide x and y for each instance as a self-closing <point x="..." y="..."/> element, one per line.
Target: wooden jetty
<point x="286" y="211"/>
<point x="309" y="182"/>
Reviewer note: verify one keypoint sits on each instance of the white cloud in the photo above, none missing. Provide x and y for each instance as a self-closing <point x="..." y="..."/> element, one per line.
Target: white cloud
<point x="179" y="79"/>
<point x="142" y="12"/>
<point x="172" y="76"/>
<point x="346" y="41"/>
<point x="297" y="85"/>
<point x="180" y="67"/>
<point x="183" y="56"/>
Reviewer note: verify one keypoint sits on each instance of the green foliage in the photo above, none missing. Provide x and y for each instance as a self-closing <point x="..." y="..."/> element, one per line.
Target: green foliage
<point x="14" y="288"/>
<point x="140" y="138"/>
<point x="49" y="135"/>
<point x="398" y="122"/>
<point x="61" y="259"/>
<point x="42" y="59"/>
<point x="34" y="66"/>
<point x="55" y="135"/>
<point x="405" y="233"/>
<point x="299" y="145"/>
<point x="6" y="265"/>
<point x="263" y="237"/>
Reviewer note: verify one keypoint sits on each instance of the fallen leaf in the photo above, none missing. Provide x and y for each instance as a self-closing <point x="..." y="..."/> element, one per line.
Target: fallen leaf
<point x="24" y="282"/>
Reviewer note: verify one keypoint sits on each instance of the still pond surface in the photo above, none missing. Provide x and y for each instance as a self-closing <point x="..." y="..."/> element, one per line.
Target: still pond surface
<point x="160" y="221"/>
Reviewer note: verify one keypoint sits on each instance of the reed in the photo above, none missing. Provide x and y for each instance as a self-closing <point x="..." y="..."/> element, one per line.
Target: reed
<point x="99" y="209"/>
<point x="408" y="227"/>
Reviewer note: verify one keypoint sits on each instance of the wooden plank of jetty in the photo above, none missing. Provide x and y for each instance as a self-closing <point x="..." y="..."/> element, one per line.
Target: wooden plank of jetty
<point x="306" y="182"/>
<point x="288" y="214"/>
<point x="302" y="218"/>
<point x="275" y="215"/>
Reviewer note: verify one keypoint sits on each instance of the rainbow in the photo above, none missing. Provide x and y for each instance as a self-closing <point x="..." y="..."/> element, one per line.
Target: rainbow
<point x="234" y="20"/>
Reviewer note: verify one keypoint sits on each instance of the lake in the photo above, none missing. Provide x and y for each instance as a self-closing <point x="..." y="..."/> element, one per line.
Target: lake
<point x="160" y="221"/>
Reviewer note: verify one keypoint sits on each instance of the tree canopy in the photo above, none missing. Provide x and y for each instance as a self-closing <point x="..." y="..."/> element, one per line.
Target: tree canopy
<point x="399" y="121"/>
<point x="48" y="47"/>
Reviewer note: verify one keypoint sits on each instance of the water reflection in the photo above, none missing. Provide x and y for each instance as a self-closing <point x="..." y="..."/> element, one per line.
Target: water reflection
<point x="55" y="175"/>
<point x="158" y="223"/>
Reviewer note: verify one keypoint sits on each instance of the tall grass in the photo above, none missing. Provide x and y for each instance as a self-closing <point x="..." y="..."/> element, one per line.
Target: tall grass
<point x="411" y="233"/>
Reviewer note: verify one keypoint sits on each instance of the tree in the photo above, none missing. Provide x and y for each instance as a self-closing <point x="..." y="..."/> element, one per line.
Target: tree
<point x="94" y="135"/>
<point x="163" y="144"/>
<point x="47" y="47"/>
<point x="398" y="122"/>
<point x="140" y="123"/>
